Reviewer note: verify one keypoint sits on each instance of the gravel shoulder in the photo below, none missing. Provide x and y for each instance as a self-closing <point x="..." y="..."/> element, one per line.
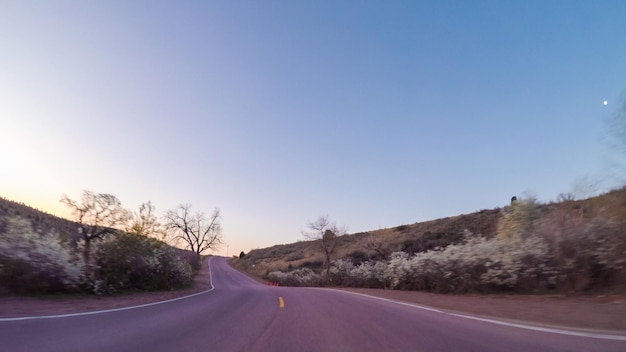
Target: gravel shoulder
<point x="596" y="312"/>
<point x="589" y="312"/>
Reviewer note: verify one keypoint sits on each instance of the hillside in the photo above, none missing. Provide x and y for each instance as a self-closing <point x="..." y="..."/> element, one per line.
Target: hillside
<point x="369" y="245"/>
<point x="41" y="221"/>
<point x="366" y="245"/>
<point x="525" y="247"/>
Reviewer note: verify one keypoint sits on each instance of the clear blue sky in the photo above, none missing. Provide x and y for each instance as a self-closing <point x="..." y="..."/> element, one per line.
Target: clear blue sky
<point x="376" y="113"/>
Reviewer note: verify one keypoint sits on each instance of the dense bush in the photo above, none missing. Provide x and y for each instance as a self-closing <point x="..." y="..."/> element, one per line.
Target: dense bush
<point x="358" y="257"/>
<point x="590" y="251"/>
<point x="193" y="259"/>
<point x="365" y="274"/>
<point x="298" y="277"/>
<point x="476" y="265"/>
<point x="34" y="263"/>
<point x="129" y="261"/>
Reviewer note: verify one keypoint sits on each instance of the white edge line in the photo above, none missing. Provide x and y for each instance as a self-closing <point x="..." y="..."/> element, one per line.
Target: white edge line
<point x="115" y="309"/>
<point x="539" y="328"/>
<point x="604" y="336"/>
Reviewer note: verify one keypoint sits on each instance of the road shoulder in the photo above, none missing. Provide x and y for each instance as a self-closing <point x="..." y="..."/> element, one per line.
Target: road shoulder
<point x="604" y="313"/>
<point x="19" y="306"/>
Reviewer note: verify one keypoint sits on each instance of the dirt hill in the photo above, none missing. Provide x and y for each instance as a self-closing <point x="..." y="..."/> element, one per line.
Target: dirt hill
<point x="410" y="238"/>
<point x="42" y="222"/>
<point x="377" y="243"/>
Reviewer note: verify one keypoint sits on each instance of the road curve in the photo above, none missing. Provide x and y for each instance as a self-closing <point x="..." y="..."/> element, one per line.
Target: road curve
<point x="240" y="314"/>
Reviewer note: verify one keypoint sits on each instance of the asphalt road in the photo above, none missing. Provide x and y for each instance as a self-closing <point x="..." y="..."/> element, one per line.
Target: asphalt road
<point x="240" y="314"/>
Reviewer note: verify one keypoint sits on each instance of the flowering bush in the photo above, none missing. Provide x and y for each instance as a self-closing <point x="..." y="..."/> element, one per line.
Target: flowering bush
<point x="132" y="261"/>
<point x="479" y="264"/>
<point x="298" y="277"/>
<point x="42" y="263"/>
<point x="371" y="274"/>
<point x="34" y="263"/>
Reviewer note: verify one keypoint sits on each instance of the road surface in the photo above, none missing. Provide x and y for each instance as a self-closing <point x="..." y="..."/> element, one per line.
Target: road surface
<point x="240" y="314"/>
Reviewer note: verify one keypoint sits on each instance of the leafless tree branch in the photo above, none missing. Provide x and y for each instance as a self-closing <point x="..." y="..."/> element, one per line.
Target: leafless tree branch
<point x="325" y="232"/>
<point x="196" y="232"/>
<point x="98" y="215"/>
<point x="145" y="223"/>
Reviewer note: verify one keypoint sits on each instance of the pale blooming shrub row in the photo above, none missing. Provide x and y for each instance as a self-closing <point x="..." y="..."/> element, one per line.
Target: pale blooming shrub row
<point x="297" y="277"/>
<point x="42" y="263"/>
<point x="479" y="264"/>
<point x="535" y="250"/>
<point x="30" y="262"/>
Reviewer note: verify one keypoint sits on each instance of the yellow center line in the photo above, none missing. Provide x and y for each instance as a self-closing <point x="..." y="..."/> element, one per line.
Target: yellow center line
<point x="281" y="302"/>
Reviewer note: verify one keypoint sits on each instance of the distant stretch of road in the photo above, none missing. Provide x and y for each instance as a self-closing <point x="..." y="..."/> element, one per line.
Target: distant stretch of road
<point x="240" y="314"/>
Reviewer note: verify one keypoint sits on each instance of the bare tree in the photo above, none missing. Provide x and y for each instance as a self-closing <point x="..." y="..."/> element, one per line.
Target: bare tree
<point x="98" y="215"/>
<point x="325" y="232"/>
<point x="378" y="245"/>
<point x="197" y="231"/>
<point x="145" y="223"/>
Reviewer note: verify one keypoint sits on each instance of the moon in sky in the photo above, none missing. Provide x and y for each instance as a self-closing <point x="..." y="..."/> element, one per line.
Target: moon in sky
<point x="605" y="102"/>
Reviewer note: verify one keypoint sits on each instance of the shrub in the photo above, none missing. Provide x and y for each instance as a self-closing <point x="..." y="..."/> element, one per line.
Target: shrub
<point x="33" y="263"/>
<point x="430" y="241"/>
<point x="478" y="265"/>
<point x="358" y="257"/>
<point x="341" y="272"/>
<point x="370" y="274"/>
<point x="519" y="219"/>
<point x="192" y="259"/>
<point x="313" y="265"/>
<point x="591" y="252"/>
<point x="129" y="261"/>
<point x="535" y="254"/>
<point x="298" y="277"/>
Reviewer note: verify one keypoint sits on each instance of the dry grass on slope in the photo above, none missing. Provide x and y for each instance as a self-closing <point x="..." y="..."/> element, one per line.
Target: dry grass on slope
<point x="367" y="245"/>
<point x="562" y="225"/>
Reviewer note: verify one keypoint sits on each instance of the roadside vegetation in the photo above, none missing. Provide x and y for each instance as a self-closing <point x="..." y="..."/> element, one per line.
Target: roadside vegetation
<point x="108" y="249"/>
<point x="526" y="247"/>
